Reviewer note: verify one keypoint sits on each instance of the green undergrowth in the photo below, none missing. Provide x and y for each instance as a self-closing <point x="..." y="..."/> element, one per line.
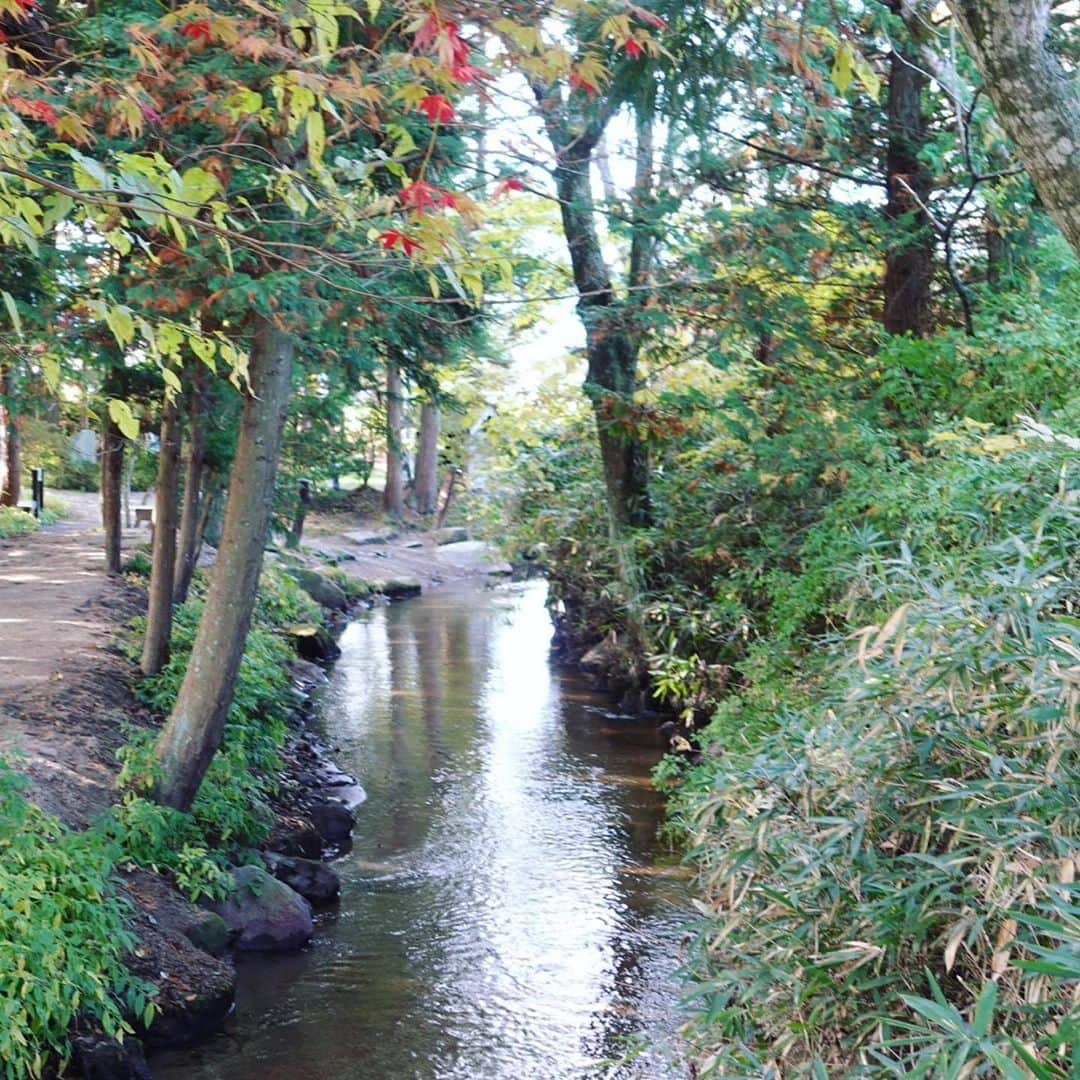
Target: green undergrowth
<point x="63" y="935"/>
<point x="232" y="811"/>
<point x="888" y="850"/>
<point x="14" y="522"/>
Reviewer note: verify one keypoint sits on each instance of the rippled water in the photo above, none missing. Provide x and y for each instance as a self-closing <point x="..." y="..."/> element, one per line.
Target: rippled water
<point x="505" y="912"/>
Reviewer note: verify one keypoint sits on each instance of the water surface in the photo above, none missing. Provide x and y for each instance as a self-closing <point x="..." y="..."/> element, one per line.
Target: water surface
<point x="506" y="913"/>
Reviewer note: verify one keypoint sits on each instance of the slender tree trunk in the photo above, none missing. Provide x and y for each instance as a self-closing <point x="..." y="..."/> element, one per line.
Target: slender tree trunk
<point x="394" y="491"/>
<point x="909" y="258"/>
<point x="163" y="561"/>
<point x="12" y="440"/>
<point x="193" y="731"/>
<point x="426" y="482"/>
<point x="611" y="347"/>
<point x="194" y="460"/>
<point x="112" y="472"/>
<point x="998" y="251"/>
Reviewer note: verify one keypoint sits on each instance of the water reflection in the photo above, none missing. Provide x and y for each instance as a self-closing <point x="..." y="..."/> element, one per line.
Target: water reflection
<point x="504" y="911"/>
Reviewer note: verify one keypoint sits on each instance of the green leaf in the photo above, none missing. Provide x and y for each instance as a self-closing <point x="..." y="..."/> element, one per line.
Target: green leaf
<point x="13" y="311"/>
<point x="316" y="137"/>
<point x="120" y="321"/>
<point x="843" y="67"/>
<point x="121" y="415"/>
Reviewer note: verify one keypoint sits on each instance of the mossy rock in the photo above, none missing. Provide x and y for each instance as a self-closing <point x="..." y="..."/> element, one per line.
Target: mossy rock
<point x="398" y="588"/>
<point x="320" y="588"/>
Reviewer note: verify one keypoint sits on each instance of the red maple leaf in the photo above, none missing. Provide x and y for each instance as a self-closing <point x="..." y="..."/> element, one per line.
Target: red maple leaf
<point x="578" y="83"/>
<point x="392" y="238"/>
<point x="507" y="183"/>
<point x="436" y="107"/>
<point x="199" y="30"/>
<point x="421" y="196"/>
<point x="428" y="32"/>
<point x="42" y="111"/>
<point x="633" y="49"/>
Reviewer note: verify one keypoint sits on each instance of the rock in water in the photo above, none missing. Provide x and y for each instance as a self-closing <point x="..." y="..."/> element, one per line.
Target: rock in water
<point x="99" y="1058"/>
<point x="264" y="913"/>
<point x="320" y="588"/>
<point x="334" y="822"/>
<point x="313" y="880"/>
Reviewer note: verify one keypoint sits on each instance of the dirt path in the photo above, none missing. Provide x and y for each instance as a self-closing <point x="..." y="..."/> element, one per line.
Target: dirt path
<point x="58" y="611"/>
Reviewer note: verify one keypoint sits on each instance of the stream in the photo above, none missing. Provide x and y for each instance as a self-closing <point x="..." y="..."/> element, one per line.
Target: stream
<point x="506" y="912"/>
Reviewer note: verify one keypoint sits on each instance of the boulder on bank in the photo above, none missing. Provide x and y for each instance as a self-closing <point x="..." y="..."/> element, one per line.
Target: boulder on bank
<point x="399" y="588"/>
<point x="601" y="658"/>
<point x="264" y="913"/>
<point x="313" y="643"/>
<point x="320" y="588"/>
<point x="313" y="880"/>
<point x="452" y="534"/>
<point x="333" y="821"/>
<point x="99" y="1058"/>
<point x="208" y="932"/>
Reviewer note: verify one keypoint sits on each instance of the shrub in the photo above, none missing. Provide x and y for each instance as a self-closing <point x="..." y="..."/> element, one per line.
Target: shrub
<point x="889" y="868"/>
<point x="15" y="522"/>
<point x="63" y="935"/>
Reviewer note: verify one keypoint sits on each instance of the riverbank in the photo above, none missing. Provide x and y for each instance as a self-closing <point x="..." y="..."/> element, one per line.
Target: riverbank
<point x="71" y="710"/>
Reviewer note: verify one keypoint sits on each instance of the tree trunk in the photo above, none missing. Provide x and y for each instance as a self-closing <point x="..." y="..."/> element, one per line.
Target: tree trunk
<point x="611" y="348"/>
<point x="12" y="441"/>
<point x="1033" y="94"/>
<point x="193" y="731"/>
<point x="112" y="471"/>
<point x="194" y="460"/>
<point x="163" y="561"/>
<point x="426" y="481"/>
<point x="909" y="258"/>
<point x="394" y="490"/>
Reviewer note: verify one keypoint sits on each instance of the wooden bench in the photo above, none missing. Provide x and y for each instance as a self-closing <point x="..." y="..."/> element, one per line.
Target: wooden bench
<point x="144" y="515"/>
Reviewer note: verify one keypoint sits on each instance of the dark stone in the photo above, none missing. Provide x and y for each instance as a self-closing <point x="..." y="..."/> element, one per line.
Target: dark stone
<point x="313" y="880"/>
<point x="315" y="646"/>
<point x="191" y="1020"/>
<point x="264" y="913"/>
<point x="304" y="842"/>
<point x="208" y="933"/>
<point x="333" y="821"/>
<point x="320" y="588"/>
<point x="99" y="1058"/>
<point x="400" y="590"/>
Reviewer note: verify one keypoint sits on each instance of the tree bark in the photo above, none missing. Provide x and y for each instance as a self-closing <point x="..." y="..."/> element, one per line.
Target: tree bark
<point x="194" y="729"/>
<point x="426" y="473"/>
<point x="909" y="259"/>
<point x="194" y="460"/>
<point x="9" y="496"/>
<point x="1033" y="94"/>
<point x="394" y="489"/>
<point x="163" y="558"/>
<point x="112" y="472"/>
<point x="611" y="346"/>
<point x="612" y="342"/>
